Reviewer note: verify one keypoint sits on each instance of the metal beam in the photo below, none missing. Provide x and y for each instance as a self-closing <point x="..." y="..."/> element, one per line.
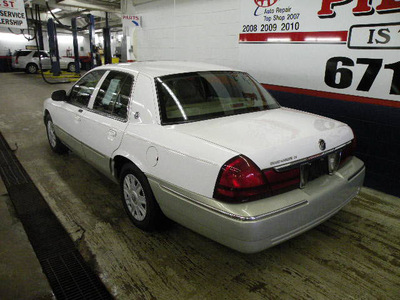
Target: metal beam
<point x="74" y="3"/>
<point x="75" y="42"/>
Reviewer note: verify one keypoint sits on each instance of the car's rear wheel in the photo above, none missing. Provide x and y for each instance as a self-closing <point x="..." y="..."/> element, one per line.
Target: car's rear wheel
<point x="71" y="67"/>
<point x="31" y="68"/>
<point x="138" y="199"/>
<point x="55" y="144"/>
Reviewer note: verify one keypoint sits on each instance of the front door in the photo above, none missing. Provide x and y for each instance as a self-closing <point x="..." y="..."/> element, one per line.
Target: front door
<point x="104" y="124"/>
<point x="44" y="59"/>
<point x="70" y="114"/>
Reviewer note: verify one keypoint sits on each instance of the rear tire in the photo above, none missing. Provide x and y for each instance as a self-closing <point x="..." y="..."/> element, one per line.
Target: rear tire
<point x="138" y="199"/>
<point x="71" y="67"/>
<point x="31" y="68"/>
<point x="55" y="144"/>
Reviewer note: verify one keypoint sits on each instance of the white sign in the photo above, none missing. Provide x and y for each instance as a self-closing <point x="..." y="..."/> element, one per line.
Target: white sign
<point x="12" y="14"/>
<point x="131" y="21"/>
<point x="330" y="46"/>
<point x="384" y="36"/>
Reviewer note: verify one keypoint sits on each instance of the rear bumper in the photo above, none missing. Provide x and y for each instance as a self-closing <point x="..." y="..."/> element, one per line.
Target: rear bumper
<point x="254" y="226"/>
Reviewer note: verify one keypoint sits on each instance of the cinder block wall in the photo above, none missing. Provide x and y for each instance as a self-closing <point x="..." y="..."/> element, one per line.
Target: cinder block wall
<point x="205" y="31"/>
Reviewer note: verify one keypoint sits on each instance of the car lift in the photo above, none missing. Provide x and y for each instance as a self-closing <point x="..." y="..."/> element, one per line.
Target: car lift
<point x="53" y="44"/>
<point x="53" y="48"/>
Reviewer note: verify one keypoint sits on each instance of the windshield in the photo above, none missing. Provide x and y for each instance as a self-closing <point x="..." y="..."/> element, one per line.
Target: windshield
<point x="205" y="95"/>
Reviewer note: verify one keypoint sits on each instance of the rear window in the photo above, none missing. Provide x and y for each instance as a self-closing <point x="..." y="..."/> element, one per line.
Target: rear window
<point x="205" y="95"/>
<point x="21" y="53"/>
<point x="113" y="95"/>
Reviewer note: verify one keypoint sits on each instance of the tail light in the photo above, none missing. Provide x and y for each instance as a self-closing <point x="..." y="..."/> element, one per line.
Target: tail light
<point x="240" y="180"/>
<point x="280" y="182"/>
<point x="16" y="59"/>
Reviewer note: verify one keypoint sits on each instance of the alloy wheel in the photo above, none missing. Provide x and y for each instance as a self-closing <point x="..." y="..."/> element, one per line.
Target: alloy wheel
<point x="135" y="197"/>
<point x="51" y="134"/>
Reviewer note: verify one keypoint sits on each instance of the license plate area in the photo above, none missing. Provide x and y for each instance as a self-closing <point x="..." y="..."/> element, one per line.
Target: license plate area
<point x="313" y="169"/>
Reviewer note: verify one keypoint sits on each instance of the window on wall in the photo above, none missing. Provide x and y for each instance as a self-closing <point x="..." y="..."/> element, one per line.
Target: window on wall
<point x="114" y="93"/>
<point x="81" y="92"/>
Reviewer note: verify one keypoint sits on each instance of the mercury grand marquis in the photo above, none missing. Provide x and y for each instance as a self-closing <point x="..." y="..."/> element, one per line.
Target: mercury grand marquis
<point x="207" y="147"/>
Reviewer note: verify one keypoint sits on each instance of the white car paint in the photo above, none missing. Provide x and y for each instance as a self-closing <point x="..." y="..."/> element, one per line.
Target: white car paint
<point x="280" y="133"/>
<point x="182" y="161"/>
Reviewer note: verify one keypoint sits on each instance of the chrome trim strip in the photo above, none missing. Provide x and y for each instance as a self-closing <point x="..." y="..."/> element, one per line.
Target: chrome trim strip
<point x="235" y="216"/>
<point x="83" y="144"/>
<point x="311" y="157"/>
<point x="94" y="150"/>
<point x="66" y="133"/>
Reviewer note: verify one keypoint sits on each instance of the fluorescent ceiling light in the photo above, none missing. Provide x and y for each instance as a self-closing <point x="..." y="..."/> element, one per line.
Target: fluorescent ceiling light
<point x="55" y="10"/>
<point x="276" y="40"/>
<point x="322" y="39"/>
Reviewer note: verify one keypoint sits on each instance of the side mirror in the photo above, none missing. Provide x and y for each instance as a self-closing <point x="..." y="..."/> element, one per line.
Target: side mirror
<point x="60" y="95"/>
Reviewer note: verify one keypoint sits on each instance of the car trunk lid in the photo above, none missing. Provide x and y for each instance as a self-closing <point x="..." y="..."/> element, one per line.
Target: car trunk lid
<point x="272" y="138"/>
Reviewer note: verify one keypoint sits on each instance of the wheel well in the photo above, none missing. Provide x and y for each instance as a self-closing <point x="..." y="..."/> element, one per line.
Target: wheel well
<point x="31" y="63"/>
<point x="46" y="113"/>
<point x="119" y="161"/>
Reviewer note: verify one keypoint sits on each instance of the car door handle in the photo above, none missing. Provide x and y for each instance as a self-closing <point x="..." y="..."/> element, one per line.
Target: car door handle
<point x="112" y="133"/>
<point x="80" y="110"/>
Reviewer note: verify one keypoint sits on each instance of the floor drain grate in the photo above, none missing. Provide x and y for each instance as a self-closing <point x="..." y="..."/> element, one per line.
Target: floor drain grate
<point x="67" y="272"/>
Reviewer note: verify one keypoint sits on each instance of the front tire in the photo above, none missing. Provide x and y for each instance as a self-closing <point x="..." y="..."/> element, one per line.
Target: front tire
<point x="55" y="144"/>
<point x="138" y="199"/>
<point x="31" y="69"/>
<point x="71" y="67"/>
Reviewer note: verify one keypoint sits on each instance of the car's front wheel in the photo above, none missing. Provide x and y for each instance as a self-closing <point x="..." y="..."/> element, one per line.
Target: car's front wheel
<point x="55" y="144"/>
<point x="138" y="199"/>
<point x="71" y="67"/>
<point x="31" y="68"/>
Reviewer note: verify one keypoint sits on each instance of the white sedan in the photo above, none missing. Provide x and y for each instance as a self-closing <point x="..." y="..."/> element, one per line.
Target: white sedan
<point x="208" y="147"/>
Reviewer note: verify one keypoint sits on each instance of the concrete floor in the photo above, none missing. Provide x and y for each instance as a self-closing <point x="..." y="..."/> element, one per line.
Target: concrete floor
<point x="354" y="255"/>
<point x="21" y="275"/>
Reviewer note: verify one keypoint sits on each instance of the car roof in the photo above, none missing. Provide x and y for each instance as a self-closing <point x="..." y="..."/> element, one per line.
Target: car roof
<point x="162" y="68"/>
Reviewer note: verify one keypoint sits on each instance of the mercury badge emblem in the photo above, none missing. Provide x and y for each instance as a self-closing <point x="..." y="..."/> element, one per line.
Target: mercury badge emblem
<point x="322" y="145"/>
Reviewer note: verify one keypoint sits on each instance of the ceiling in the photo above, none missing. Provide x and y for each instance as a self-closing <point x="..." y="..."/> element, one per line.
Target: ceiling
<point x="76" y="8"/>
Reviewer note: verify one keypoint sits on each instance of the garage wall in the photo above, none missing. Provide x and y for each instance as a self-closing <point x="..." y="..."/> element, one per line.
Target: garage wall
<point x="208" y="31"/>
<point x="65" y="42"/>
<point x="12" y="42"/>
<point x="205" y="31"/>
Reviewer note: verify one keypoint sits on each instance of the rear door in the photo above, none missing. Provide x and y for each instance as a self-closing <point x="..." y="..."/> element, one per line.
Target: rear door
<point x="44" y="59"/>
<point x="104" y="124"/>
<point x="68" y="117"/>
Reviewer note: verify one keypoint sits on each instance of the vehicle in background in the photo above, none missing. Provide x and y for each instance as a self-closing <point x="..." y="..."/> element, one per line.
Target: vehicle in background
<point x="28" y="60"/>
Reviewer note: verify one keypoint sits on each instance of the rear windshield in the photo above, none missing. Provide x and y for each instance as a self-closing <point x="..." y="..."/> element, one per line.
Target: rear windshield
<point x="206" y="95"/>
<point x="21" y="53"/>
